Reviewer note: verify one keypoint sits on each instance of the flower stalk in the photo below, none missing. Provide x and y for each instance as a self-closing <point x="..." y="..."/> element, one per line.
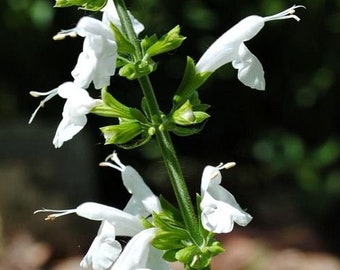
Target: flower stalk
<point x="162" y="135"/>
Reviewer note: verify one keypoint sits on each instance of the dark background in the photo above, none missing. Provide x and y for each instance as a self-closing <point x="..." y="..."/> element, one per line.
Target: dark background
<point x="284" y="140"/>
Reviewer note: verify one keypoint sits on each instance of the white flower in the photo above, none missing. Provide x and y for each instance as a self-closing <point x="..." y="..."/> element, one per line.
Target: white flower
<point x="105" y="251"/>
<point x="110" y="15"/>
<point x="78" y="104"/>
<point x="140" y="255"/>
<point x="230" y="48"/>
<point x="142" y="202"/>
<point x="97" y="61"/>
<point x="219" y="207"/>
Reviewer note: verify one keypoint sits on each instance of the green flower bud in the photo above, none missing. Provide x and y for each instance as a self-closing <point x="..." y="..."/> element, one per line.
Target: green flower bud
<point x="92" y="5"/>
<point x="185" y="115"/>
<point x="139" y="69"/>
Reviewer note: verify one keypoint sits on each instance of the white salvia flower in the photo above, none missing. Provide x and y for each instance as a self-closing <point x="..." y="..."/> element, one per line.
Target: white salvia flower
<point x="97" y="61"/>
<point x="219" y="207"/>
<point x="110" y="15"/>
<point x="230" y="47"/>
<point x="142" y="202"/>
<point x="78" y="104"/>
<point x="104" y="249"/>
<point x="114" y="222"/>
<point x="140" y="255"/>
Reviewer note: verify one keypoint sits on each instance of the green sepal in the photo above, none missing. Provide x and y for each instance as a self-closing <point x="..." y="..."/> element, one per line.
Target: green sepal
<point x="186" y="130"/>
<point x="117" y="108"/>
<point x="148" y="41"/>
<point x="91" y="5"/>
<point x="139" y="140"/>
<point x="146" y="223"/>
<point x="111" y="107"/>
<point x="139" y="69"/>
<point x="170" y="255"/>
<point x="166" y="43"/>
<point x="191" y="81"/>
<point x="168" y="240"/>
<point x="170" y="211"/>
<point x="123" y="44"/>
<point x="121" y="133"/>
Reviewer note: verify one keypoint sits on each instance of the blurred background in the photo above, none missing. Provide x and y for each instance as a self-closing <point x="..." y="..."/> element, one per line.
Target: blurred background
<point x="284" y="140"/>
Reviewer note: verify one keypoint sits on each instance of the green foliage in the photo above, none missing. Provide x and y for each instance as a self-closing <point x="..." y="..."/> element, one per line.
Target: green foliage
<point x="133" y="129"/>
<point x="137" y="69"/>
<point x="191" y="81"/>
<point x="91" y="5"/>
<point x="168" y="42"/>
<point x="177" y="242"/>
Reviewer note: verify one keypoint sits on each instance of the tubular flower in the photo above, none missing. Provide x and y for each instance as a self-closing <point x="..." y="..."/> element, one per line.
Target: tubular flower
<point x="219" y="207"/>
<point x="142" y="202"/>
<point x="97" y="61"/>
<point x="110" y="15"/>
<point x="140" y="255"/>
<point x="105" y="251"/>
<point x="230" y="47"/>
<point x="78" y="104"/>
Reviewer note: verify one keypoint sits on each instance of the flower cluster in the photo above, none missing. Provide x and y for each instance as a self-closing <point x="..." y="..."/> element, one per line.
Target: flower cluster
<point x="219" y="211"/>
<point x="96" y="63"/>
<point x="105" y="47"/>
<point x="160" y="232"/>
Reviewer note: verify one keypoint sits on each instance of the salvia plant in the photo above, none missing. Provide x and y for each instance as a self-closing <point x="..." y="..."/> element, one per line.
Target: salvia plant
<point x="160" y="232"/>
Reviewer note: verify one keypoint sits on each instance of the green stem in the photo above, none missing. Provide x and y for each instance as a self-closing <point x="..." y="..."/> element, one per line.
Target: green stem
<point x="171" y="162"/>
<point x="127" y="26"/>
<point x="163" y="137"/>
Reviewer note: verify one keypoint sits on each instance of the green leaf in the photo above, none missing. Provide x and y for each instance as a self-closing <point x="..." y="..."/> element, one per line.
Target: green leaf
<point x="191" y="81"/>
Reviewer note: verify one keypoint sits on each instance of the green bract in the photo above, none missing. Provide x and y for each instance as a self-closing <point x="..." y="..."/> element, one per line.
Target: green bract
<point x="170" y="41"/>
<point x="92" y="5"/>
<point x="123" y="44"/>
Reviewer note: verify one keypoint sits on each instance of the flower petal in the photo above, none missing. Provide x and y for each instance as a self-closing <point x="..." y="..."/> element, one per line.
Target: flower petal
<point x="250" y="71"/>
<point x="110" y="15"/>
<point x="67" y="128"/>
<point x="136" y="254"/>
<point x="124" y="223"/>
<point x="219" y="207"/>
<point x="104" y="249"/>
<point x="143" y="202"/>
